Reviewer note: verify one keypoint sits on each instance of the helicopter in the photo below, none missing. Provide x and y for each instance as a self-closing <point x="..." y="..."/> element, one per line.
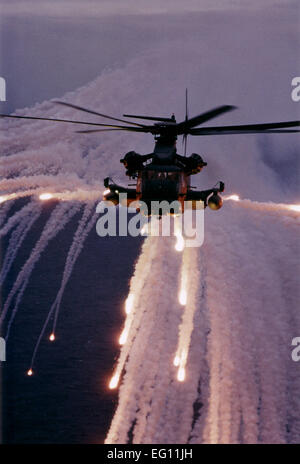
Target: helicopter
<point x="164" y="175"/>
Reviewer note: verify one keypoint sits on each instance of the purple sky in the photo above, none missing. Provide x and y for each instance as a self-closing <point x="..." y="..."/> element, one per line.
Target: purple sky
<point x="92" y="8"/>
<point x="231" y="53"/>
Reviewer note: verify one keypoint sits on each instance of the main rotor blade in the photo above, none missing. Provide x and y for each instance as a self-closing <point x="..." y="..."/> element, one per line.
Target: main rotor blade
<point x="135" y="129"/>
<point x="248" y="132"/>
<point x="184" y="126"/>
<point x="246" y="128"/>
<point x="86" y="110"/>
<point x="150" y="118"/>
<point x="130" y="129"/>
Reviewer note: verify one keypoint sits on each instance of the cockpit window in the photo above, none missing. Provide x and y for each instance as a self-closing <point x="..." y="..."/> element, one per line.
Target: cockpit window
<point x="173" y="176"/>
<point x="161" y="175"/>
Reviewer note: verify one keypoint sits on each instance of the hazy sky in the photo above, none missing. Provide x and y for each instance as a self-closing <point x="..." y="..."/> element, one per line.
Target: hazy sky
<point x="105" y="7"/>
<point x="50" y="47"/>
<point x="142" y="64"/>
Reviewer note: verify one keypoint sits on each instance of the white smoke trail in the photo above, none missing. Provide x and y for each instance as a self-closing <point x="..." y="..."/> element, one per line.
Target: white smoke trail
<point x="38" y="342"/>
<point x="4" y="211"/>
<point x="85" y="225"/>
<point x="247" y="320"/>
<point x="291" y="210"/>
<point x="46" y="181"/>
<point x="135" y="310"/>
<point x="187" y="294"/>
<point x="223" y="287"/>
<point x="16" y="218"/>
<point x="238" y="389"/>
<point x="143" y="367"/>
<point x="58" y="219"/>
<point x="17" y="238"/>
<point x="83" y="195"/>
<point x="177" y="416"/>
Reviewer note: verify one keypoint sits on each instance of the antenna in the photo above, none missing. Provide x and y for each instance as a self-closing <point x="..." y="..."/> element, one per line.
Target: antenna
<point x="184" y="140"/>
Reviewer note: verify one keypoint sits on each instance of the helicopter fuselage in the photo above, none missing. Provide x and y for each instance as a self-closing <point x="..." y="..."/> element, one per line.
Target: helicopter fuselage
<point x="162" y="176"/>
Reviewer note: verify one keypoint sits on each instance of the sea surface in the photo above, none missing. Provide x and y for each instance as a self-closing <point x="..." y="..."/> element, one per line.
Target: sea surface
<point x="67" y="399"/>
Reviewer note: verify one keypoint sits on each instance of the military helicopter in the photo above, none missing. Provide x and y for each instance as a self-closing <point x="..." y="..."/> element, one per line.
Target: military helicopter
<point x="164" y="175"/>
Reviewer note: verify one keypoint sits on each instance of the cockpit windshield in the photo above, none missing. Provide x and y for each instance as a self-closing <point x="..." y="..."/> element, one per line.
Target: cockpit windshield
<point x="160" y="184"/>
<point x="161" y="175"/>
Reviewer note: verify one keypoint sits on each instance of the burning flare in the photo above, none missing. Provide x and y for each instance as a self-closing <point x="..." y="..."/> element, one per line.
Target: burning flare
<point x="181" y="374"/>
<point x="182" y="297"/>
<point x="123" y="337"/>
<point x="129" y="303"/>
<point x="294" y="208"/>
<point x="232" y="197"/>
<point x="45" y="196"/>
<point x="176" y="361"/>
<point x="180" y="243"/>
<point x="114" y="381"/>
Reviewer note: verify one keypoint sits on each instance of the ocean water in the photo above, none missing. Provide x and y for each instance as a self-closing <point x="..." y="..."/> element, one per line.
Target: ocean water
<point x="67" y="399"/>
